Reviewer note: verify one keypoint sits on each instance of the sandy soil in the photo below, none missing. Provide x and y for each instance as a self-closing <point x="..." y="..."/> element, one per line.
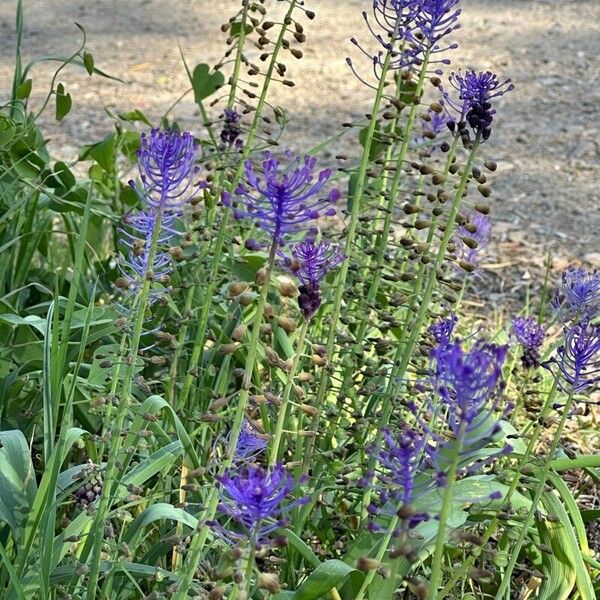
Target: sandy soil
<point x="546" y="139"/>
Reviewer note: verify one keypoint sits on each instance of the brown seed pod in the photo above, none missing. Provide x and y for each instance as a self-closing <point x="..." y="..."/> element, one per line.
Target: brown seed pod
<point x="490" y="165"/>
<point x="286" y="324"/>
<point x="485" y="191"/>
<point x="239" y="332"/>
<point x="246" y="298"/>
<point x="269" y="582"/>
<point x="367" y="564"/>
<point x="237" y="288"/>
<point x="228" y="348"/>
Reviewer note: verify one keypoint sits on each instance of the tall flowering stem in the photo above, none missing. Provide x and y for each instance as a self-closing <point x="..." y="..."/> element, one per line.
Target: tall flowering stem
<point x="310" y="263"/>
<point x="539" y="489"/>
<point x="116" y="440"/>
<point x="350" y="238"/>
<point x="209" y="289"/>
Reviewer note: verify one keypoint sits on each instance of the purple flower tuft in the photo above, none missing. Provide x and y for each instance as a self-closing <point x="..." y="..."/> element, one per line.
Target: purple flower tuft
<point x="249" y="443"/>
<point x="167" y="167"/>
<point x="578" y="296"/>
<point x="286" y="198"/>
<point x="474" y="106"/>
<point x="310" y="263"/>
<point x="468" y="383"/>
<point x="442" y="330"/>
<point x="576" y="365"/>
<point x="530" y="334"/>
<point x="231" y="128"/>
<point x="257" y="500"/>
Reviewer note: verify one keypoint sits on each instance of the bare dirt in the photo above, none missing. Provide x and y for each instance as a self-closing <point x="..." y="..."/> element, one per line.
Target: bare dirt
<point x="546" y="139"/>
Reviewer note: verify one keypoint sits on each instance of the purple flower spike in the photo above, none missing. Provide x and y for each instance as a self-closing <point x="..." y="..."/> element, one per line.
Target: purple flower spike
<point x="167" y="166"/>
<point x="442" y="330"/>
<point x="310" y="263"/>
<point x="286" y="198"/>
<point x="231" y="128"/>
<point x="257" y="500"/>
<point x="578" y="296"/>
<point x="530" y="334"/>
<point x="404" y="458"/>
<point x="136" y="239"/>
<point x="250" y="444"/>
<point x="474" y="106"/>
<point x="482" y="236"/>
<point x="468" y="383"/>
<point x="576" y="365"/>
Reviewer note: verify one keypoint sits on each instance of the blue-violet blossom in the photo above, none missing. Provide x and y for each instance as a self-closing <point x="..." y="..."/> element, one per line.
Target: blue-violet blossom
<point x="310" y="262"/>
<point x="286" y="198"/>
<point x="476" y="91"/>
<point x="576" y="366"/>
<point x="257" y="500"/>
<point x="530" y="334"/>
<point x="578" y="295"/>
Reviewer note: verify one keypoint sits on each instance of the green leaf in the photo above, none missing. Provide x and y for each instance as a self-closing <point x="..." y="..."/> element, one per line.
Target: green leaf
<point x="205" y="83"/>
<point x="569" y="533"/>
<point x="157" y="512"/>
<point x="88" y="62"/>
<point x="558" y="566"/>
<point x="102" y="152"/>
<point x="325" y="577"/>
<point x="31" y="320"/>
<point x="236" y="29"/>
<point x="134" y="115"/>
<point x="24" y="90"/>
<point x="63" y="102"/>
<point x="302" y="548"/>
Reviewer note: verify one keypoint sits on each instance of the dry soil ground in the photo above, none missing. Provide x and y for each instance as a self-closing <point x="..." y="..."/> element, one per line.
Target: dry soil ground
<point x="546" y="140"/>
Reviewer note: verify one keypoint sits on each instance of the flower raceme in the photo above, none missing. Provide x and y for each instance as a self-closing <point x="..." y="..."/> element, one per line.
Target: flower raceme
<point x="284" y="198"/>
<point x="576" y="366"/>
<point x="310" y="262"/>
<point x="468" y="382"/>
<point x="412" y="31"/>
<point x="578" y="295"/>
<point x="476" y="91"/>
<point x="258" y="500"/>
<point x="530" y="334"/>
<point x="167" y="169"/>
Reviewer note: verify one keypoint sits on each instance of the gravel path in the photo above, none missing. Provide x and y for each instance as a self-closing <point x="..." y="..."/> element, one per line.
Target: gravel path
<point x="547" y="136"/>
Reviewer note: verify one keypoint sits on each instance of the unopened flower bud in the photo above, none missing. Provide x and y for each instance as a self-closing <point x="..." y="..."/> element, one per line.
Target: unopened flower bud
<point x="269" y="582"/>
<point x="261" y="276"/>
<point x="239" y="332"/>
<point x="237" y="288"/>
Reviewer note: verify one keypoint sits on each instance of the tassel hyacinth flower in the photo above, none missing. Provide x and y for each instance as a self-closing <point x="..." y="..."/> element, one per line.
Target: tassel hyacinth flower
<point x="578" y="295"/>
<point x="576" y="366"/>
<point x="284" y="198"/>
<point x="258" y="500"/>
<point x="310" y="263"/>
<point x="476" y="91"/>
<point x="530" y="334"/>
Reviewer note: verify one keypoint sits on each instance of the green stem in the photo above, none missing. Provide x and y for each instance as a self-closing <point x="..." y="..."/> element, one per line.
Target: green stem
<point x="539" y="489"/>
<point x="341" y="279"/>
<point x="283" y="409"/>
<point x="221" y="236"/>
<point x="440" y="540"/>
<point x="491" y="529"/>
<point x="379" y="557"/>
<point x="110" y="475"/>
